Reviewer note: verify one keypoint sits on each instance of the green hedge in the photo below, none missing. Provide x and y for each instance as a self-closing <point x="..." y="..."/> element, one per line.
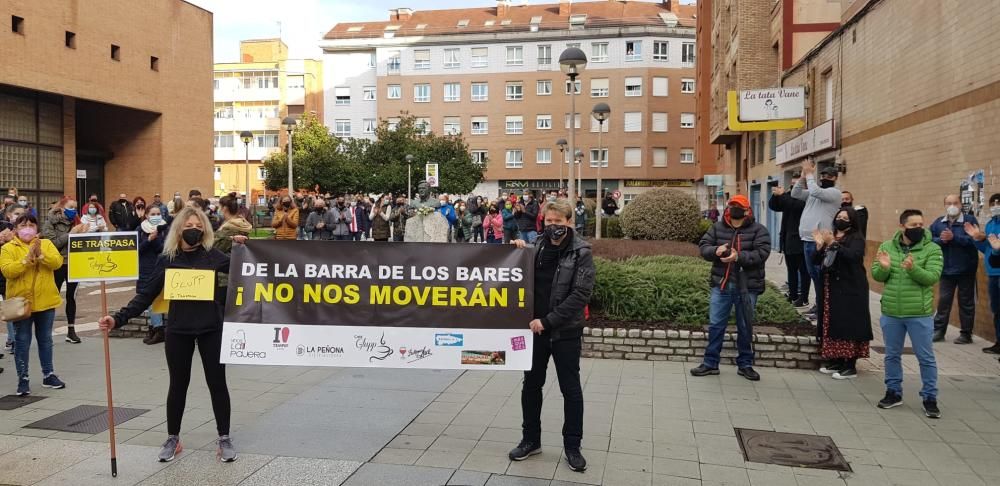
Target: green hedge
<point x="671" y="289"/>
<point x="610" y="227"/>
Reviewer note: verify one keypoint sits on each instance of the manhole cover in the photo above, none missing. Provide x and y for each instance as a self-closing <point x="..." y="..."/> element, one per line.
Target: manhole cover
<point x="10" y="402"/>
<point x="881" y="350"/>
<point x="796" y="450"/>
<point x="85" y="419"/>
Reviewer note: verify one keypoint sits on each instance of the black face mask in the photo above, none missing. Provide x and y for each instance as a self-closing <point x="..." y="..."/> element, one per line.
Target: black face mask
<point x="192" y="236"/>
<point x="842" y="225"/>
<point x="320" y="210"/>
<point x="556" y="231"/>
<point x="737" y="212"/>
<point x="826" y="183"/>
<point x="914" y="234"/>
<point x="286" y="204"/>
<point x="845" y="205"/>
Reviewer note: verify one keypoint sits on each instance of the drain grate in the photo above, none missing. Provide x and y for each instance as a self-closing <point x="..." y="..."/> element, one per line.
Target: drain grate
<point x="881" y="349"/>
<point x="796" y="450"/>
<point x="10" y="402"/>
<point x="85" y="419"/>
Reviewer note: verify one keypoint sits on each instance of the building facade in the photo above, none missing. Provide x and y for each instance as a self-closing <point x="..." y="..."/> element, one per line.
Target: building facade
<point x="492" y="74"/>
<point x="254" y="95"/>
<point x="103" y="97"/>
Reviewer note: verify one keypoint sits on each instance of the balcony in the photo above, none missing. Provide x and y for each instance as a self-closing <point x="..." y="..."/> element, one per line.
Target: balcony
<point x="247" y="94"/>
<point x="237" y="152"/>
<point x="392" y="66"/>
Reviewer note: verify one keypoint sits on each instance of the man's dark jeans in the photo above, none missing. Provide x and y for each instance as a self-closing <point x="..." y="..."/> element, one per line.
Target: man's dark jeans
<point x="566" y="354"/>
<point x="798" y="277"/>
<point x="966" y="285"/>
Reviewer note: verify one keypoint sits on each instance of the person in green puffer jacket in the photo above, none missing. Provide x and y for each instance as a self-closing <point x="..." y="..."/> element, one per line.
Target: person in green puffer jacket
<point x="909" y="265"/>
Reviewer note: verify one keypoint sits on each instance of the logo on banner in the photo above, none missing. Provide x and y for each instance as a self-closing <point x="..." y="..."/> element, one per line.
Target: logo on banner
<point x="448" y="339"/>
<point x="411" y="355"/>
<point x="319" y="351"/>
<point x="377" y="350"/>
<point x="239" y="342"/>
<point x="517" y="343"/>
<point x="489" y="358"/>
<point x="281" y="337"/>
<point x="238" y="348"/>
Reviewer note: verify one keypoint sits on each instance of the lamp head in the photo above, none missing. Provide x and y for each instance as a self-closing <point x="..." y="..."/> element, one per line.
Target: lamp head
<point x="601" y="112"/>
<point x="246" y="137"/>
<point x="572" y="61"/>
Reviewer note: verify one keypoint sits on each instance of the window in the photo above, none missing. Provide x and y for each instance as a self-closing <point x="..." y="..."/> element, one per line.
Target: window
<point x="480" y="125"/>
<point x="544" y="55"/>
<point x="515" y="55"/>
<point x="660" y="86"/>
<point x="687" y="53"/>
<point x="579" y="86"/>
<point x="594" y="125"/>
<point x="577" y="21"/>
<point x="342" y="128"/>
<point x="371" y="59"/>
<point x="480" y="92"/>
<point x="633" y="157"/>
<point x="543" y="156"/>
<point x="224" y="110"/>
<point x="451" y="59"/>
<point x="515" y="91"/>
<point x="633" y="86"/>
<point x="599" y="88"/>
<point x="116" y="52"/>
<point x="687" y="156"/>
<point x="463" y="23"/>
<point x="295" y="82"/>
<point x="342" y="96"/>
<point x="633" y="121"/>
<point x="661" y="51"/>
<point x="270" y="139"/>
<point x="394" y="92"/>
<point x="659" y="157"/>
<point x="223" y="140"/>
<point x="489" y="23"/>
<point x="774" y="144"/>
<point x="543" y="122"/>
<point x="70" y="40"/>
<point x="577" y="124"/>
<point x="452" y="92"/>
<point x="633" y="51"/>
<point x="422" y="59"/>
<point x="368" y="93"/>
<point x="480" y="157"/>
<point x="515" y="159"/>
<point x="17" y="24"/>
<point x="421" y="93"/>
<point x="599" y="157"/>
<point x="543" y="87"/>
<point x="452" y="125"/>
<point x="687" y="120"/>
<point x="599" y="52"/>
<point x="515" y="125"/>
<point x="369" y="125"/>
<point x="627" y="198"/>
<point x="261" y="173"/>
<point x="393" y="124"/>
<point x="423" y="125"/>
<point x="154" y="63"/>
<point x="392" y="64"/>
<point x="218" y="173"/>
<point x="687" y="85"/>
<point x="659" y="122"/>
<point x="480" y="57"/>
<point x="828" y="91"/>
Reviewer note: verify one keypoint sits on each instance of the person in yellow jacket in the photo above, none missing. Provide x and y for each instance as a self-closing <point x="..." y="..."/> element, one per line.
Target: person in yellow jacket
<point x="27" y="262"/>
<point x="286" y="220"/>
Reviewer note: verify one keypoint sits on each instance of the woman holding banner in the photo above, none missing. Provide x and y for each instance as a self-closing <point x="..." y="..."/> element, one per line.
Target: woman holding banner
<point x="188" y="246"/>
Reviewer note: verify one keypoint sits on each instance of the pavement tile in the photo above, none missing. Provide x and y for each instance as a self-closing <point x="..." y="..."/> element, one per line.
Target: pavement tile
<point x="135" y="463"/>
<point x="391" y="474"/>
<point x="486" y="462"/>
<point x="468" y="478"/>
<point x="405" y="457"/>
<point x="627" y="478"/>
<point x="451" y="444"/>
<point x="771" y="478"/>
<point x="193" y="468"/>
<point x="39" y="459"/>
<point x="419" y="442"/>
<point x="515" y="481"/>
<point x="735" y="476"/>
<point x="444" y="459"/>
<point x="661" y="480"/>
<point x="674" y="467"/>
<point x="474" y="432"/>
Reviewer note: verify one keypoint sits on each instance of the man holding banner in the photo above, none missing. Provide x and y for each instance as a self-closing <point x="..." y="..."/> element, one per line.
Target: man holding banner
<point x="564" y="280"/>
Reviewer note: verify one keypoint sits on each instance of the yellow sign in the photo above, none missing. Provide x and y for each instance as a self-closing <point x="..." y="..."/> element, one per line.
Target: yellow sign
<point x="160" y="306"/>
<point x="103" y="257"/>
<point x="189" y="284"/>
<point x="737" y="126"/>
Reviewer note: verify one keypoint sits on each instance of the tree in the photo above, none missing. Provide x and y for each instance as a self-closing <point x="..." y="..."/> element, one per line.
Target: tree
<point x="316" y="158"/>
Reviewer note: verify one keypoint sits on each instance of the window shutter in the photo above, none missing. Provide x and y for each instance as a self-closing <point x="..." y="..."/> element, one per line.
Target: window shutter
<point x="659" y="122"/>
<point x="633" y="121"/>
<point x="659" y="86"/>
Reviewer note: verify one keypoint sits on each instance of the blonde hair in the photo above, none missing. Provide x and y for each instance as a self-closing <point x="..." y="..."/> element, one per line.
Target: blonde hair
<point x="173" y="242"/>
<point x="561" y="206"/>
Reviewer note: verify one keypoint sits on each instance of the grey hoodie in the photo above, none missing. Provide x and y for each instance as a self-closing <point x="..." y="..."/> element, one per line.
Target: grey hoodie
<point x="821" y="206"/>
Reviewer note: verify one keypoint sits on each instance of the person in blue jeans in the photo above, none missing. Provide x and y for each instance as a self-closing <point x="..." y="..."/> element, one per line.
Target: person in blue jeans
<point x="738" y="248"/>
<point x="823" y="200"/>
<point x="980" y="236"/>
<point x="909" y="265"/>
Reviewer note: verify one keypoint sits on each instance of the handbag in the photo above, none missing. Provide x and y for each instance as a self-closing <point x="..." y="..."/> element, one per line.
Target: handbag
<point x="18" y="308"/>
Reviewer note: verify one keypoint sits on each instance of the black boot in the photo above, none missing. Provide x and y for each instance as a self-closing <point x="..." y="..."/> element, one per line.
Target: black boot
<point x="71" y="336"/>
<point x="157" y="336"/>
<point x="149" y="335"/>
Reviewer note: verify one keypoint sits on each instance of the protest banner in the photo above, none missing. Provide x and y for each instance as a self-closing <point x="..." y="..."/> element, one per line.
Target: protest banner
<point x="390" y="305"/>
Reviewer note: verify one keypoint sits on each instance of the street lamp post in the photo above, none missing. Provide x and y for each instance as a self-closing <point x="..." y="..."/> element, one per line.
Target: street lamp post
<point x="562" y="159"/>
<point x="578" y="160"/>
<point x="409" y="177"/>
<point x="572" y="62"/>
<point x="289" y="123"/>
<point x="601" y="112"/>
<point x="247" y="137"/>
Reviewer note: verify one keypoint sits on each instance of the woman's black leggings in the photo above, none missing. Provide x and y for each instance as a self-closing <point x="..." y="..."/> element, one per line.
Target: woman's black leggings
<point x="61" y="276"/>
<point x="180" y="352"/>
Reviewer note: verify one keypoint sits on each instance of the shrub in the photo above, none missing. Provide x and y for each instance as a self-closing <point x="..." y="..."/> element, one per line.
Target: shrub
<point x="610" y="227"/>
<point x="662" y="214"/>
<point x="703" y="226"/>
<point x="669" y="288"/>
<point x="623" y="249"/>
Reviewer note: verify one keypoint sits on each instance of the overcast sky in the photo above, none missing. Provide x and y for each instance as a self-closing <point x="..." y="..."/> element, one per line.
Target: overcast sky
<point x="303" y="22"/>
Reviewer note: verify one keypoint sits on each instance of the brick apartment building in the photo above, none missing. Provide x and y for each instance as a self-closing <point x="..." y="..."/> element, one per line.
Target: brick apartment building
<point x="492" y="74"/>
<point x="104" y="96"/>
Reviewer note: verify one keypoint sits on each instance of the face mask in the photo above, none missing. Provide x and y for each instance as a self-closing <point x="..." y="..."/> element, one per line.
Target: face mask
<point x="508" y="206"/>
<point x="914" y="234"/>
<point x="826" y="183"/>
<point x="27" y="233"/>
<point x="845" y="204"/>
<point x="155" y="220"/>
<point x="737" y="212"/>
<point x="122" y="199"/>
<point x="556" y="232"/>
<point x="995" y="211"/>
<point x="287" y="204"/>
<point x="22" y="203"/>
<point x="192" y="236"/>
<point x="91" y="211"/>
<point x="842" y="225"/>
<point x="551" y="199"/>
<point x="320" y="210"/>
<point x="952" y="211"/>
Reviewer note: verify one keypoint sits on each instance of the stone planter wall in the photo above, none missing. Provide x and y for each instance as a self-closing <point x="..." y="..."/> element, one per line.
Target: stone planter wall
<point x="136" y="328"/>
<point x="771" y="350"/>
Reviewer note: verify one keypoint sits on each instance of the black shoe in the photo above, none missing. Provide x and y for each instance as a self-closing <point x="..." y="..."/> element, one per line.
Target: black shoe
<point x="931" y="409"/>
<point x="963" y="339"/>
<point x="812" y="310"/>
<point x="703" y="370"/>
<point x="801" y="302"/>
<point x="938" y="336"/>
<point x="149" y="336"/>
<point x="523" y="450"/>
<point x="576" y="460"/>
<point x="995" y="349"/>
<point x="71" y="336"/>
<point x="749" y="373"/>
<point x="892" y="399"/>
<point x="846" y="374"/>
<point x="157" y="337"/>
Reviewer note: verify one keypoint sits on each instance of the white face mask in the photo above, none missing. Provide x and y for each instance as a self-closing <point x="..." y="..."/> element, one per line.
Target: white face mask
<point x="952" y="211"/>
<point x="995" y="210"/>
